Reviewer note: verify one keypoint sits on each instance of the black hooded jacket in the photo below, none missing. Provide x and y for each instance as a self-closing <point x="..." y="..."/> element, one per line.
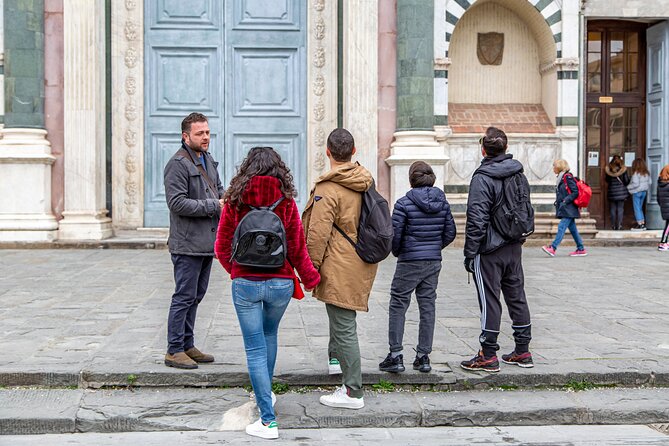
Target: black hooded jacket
<point x="422" y="224"/>
<point x="485" y="192"/>
<point x="663" y="198"/>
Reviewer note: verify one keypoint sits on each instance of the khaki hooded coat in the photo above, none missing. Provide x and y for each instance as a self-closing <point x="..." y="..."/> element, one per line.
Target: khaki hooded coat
<point x="346" y="280"/>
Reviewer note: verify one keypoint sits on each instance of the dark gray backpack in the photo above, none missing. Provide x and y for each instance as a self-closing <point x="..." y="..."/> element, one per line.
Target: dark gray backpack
<point x="260" y="238"/>
<point x="513" y="217"/>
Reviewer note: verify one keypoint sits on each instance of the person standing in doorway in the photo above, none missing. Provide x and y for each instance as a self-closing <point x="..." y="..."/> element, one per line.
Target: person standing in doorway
<point x="346" y="280"/>
<point x="194" y="194"/>
<point x="495" y="261"/>
<point x="566" y="191"/>
<point x="638" y="186"/>
<point x="663" y="201"/>
<point x="617" y="180"/>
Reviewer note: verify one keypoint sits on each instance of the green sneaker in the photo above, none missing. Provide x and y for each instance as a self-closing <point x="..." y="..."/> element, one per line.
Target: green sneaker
<point x="334" y="368"/>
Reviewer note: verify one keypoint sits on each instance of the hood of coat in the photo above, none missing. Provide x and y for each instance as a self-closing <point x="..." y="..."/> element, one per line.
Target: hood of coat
<point x="350" y="175"/>
<point x="663" y="185"/>
<point x="501" y="166"/>
<point x="262" y="191"/>
<point x="610" y="173"/>
<point x="428" y="199"/>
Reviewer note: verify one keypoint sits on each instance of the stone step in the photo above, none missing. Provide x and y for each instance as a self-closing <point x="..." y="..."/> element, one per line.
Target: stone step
<point x="35" y="411"/>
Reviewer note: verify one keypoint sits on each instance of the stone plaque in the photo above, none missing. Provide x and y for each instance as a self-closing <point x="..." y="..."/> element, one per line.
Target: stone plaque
<point x="490" y="48"/>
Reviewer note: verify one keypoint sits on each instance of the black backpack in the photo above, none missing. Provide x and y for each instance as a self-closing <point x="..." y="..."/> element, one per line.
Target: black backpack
<point x="375" y="229"/>
<point x="260" y="238"/>
<point x="513" y="217"/>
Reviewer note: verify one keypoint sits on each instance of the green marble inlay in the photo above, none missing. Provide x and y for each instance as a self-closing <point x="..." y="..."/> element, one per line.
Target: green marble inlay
<point x="440" y="119"/>
<point x="552" y="20"/>
<point x="24" y="63"/>
<point x="542" y="4"/>
<point x="566" y="120"/>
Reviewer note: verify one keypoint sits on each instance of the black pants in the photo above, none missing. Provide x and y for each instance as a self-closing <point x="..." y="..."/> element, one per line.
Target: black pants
<point x="502" y="270"/>
<point x="191" y="276"/>
<point x="617" y="209"/>
<point x="423" y="277"/>
<point x="665" y="233"/>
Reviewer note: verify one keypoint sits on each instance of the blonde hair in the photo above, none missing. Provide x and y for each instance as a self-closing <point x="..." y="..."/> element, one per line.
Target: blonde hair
<point x="561" y="165"/>
<point x="664" y="174"/>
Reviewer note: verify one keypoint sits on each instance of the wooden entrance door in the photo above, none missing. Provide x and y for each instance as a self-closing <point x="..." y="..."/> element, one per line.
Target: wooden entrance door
<point x="615" y="116"/>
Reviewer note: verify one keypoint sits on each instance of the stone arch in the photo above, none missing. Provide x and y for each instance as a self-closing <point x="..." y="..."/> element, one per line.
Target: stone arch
<point x="549" y="11"/>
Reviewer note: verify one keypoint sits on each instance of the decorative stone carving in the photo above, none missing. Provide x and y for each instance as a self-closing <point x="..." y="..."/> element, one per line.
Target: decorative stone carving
<point x="130" y="4"/>
<point x="131" y="30"/>
<point x="320" y="28"/>
<point x="319" y="5"/>
<point x="442" y="63"/>
<point x="561" y="64"/>
<point x="130" y="163"/>
<point x="319" y="111"/>
<point x="130" y="85"/>
<point x="319" y="57"/>
<point x="490" y="48"/>
<point x="130" y="138"/>
<point x="130" y="111"/>
<point x="131" y="57"/>
<point x="319" y="85"/>
<point x="319" y="163"/>
<point x="319" y="137"/>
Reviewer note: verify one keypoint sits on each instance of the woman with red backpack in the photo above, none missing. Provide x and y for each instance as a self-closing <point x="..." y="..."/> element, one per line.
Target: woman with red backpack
<point x="566" y="192"/>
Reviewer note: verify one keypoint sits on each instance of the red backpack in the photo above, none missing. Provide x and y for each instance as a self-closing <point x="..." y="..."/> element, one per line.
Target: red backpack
<point x="584" y="192"/>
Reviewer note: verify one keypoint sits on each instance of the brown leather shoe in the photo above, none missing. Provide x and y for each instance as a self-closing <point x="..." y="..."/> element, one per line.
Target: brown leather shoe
<point x="180" y="360"/>
<point x="197" y="356"/>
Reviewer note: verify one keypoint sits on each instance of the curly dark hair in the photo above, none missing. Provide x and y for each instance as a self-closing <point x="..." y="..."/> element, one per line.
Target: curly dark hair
<point x="262" y="161"/>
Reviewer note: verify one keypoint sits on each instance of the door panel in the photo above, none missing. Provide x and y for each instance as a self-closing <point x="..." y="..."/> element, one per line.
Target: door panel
<point x="658" y="105"/>
<point x="242" y="63"/>
<point x="266" y="53"/>
<point x="184" y="59"/>
<point x="615" y="107"/>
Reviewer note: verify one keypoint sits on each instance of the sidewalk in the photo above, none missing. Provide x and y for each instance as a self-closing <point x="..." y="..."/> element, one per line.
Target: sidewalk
<point x="94" y="318"/>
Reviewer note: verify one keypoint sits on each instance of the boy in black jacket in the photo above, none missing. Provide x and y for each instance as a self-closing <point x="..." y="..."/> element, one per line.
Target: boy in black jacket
<point x="495" y="261"/>
<point x="423" y="226"/>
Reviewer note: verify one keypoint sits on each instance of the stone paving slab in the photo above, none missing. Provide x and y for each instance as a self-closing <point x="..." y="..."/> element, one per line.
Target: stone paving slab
<point x="443" y="436"/>
<point x="94" y="317"/>
<point x="141" y="410"/>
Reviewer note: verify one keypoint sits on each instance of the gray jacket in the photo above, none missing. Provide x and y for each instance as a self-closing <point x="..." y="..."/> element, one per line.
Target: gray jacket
<point x="194" y="209"/>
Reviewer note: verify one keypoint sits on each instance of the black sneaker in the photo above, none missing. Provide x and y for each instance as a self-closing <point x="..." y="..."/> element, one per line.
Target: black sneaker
<point x="392" y="365"/>
<point x="422" y="364"/>
<point x="479" y="362"/>
<point x="523" y="360"/>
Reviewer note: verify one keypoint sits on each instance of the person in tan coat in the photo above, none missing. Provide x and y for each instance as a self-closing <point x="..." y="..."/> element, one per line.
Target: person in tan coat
<point x="346" y="280"/>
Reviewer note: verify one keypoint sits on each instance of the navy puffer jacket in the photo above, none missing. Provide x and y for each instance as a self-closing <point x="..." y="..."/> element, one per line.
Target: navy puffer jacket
<point x="423" y="225"/>
<point x="564" y="200"/>
<point x="663" y="198"/>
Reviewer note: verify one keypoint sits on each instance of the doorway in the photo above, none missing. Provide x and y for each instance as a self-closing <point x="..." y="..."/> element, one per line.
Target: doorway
<point x="615" y="114"/>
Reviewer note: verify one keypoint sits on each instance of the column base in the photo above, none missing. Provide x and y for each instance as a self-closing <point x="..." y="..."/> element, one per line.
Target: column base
<point x="410" y="146"/>
<point x="85" y="226"/>
<point x="25" y="186"/>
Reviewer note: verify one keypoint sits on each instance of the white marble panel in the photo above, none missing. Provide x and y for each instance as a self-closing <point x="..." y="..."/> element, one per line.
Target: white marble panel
<point x="440" y="96"/>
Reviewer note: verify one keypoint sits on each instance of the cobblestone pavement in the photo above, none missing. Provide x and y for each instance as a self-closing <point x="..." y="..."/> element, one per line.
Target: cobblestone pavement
<point x="64" y="311"/>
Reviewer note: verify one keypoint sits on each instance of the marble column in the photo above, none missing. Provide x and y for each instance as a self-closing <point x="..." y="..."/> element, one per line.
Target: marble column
<point x="415" y="138"/>
<point x="25" y="153"/>
<point x="360" y="78"/>
<point x="84" y="215"/>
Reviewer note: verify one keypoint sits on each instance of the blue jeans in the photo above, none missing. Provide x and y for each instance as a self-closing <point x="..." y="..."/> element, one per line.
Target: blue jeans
<point x="637" y="200"/>
<point x="568" y="223"/>
<point x="191" y="276"/>
<point x="260" y="306"/>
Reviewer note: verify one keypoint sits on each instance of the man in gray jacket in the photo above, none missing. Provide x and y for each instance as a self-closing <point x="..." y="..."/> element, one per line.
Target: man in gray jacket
<point x="194" y="196"/>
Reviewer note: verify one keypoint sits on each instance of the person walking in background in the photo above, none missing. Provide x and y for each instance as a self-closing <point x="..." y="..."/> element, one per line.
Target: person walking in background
<point x="423" y="225"/>
<point x="261" y="294"/>
<point x="617" y="180"/>
<point x="566" y="191"/>
<point x="194" y="194"/>
<point x="638" y="186"/>
<point x="663" y="201"/>
<point x="334" y="205"/>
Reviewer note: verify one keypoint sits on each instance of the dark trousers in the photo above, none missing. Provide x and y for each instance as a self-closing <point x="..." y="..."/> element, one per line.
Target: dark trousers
<point x="191" y="276"/>
<point x="502" y="270"/>
<point x="617" y="208"/>
<point x="665" y="233"/>
<point x="423" y="277"/>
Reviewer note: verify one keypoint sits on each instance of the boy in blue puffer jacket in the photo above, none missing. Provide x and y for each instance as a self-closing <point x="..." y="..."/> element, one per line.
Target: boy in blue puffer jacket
<point x="423" y="226"/>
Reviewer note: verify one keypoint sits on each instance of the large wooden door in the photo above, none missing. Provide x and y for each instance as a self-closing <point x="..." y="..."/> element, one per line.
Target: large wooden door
<point x="242" y="63"/>
<point x="615" y="115"/>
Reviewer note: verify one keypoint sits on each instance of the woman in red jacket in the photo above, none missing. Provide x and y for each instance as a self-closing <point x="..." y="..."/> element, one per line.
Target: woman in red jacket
<point x="261" y="295"/>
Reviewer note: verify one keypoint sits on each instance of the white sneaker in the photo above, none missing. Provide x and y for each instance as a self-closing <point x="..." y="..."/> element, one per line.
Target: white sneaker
<point x="253" y="395"/>
<point x="341" y="399"/>
<point x="334" y="368"/>
<point x="269" y="432"/>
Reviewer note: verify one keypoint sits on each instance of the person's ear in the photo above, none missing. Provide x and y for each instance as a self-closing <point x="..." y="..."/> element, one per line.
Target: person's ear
<point x="482" y="152"/>
<point x="328" y="153"/>
<point x="353" y="151"/>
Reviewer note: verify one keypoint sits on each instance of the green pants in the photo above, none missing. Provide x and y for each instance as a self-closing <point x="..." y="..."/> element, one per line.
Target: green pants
<point x="344" y="346"/>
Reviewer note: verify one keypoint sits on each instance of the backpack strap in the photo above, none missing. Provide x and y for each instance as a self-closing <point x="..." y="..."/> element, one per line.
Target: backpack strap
<point x="275" y="204"/>
<point x="183" y="152"/>
<point x="341" y="231"/>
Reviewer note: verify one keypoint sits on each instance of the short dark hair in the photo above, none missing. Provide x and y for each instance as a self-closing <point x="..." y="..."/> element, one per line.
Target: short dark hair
<point x="188" y="120"/>
<point x="341" y="143"/>
<point x="494" y="142"/>
<point x="421" y="174"/>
